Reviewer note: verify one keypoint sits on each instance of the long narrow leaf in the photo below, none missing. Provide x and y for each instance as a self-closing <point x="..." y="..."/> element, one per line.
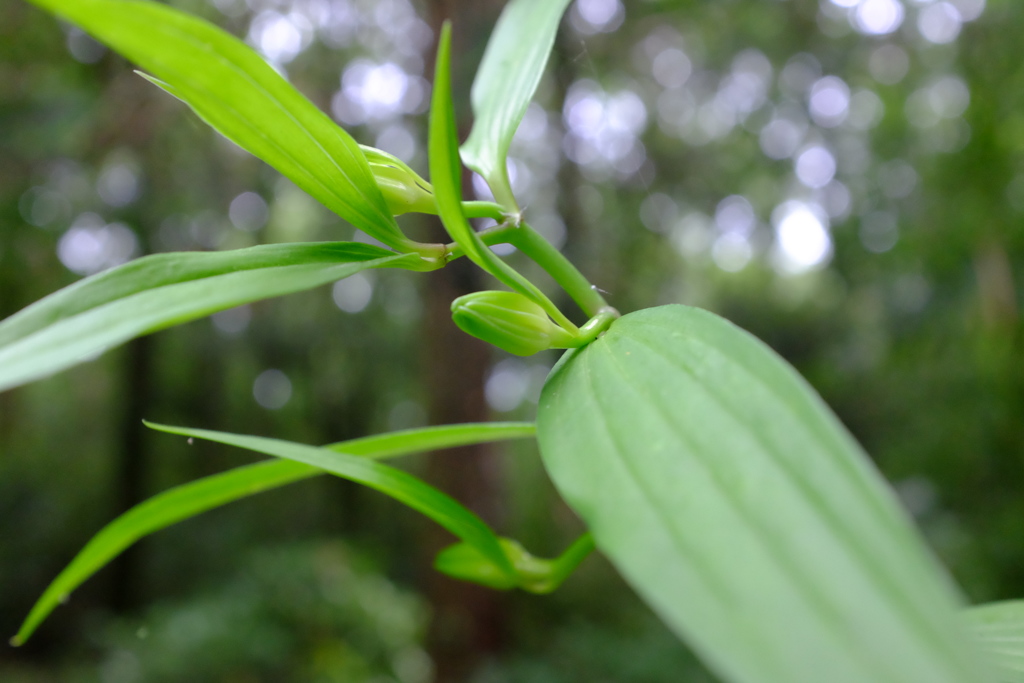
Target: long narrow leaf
<point x="234" y="90"/>
<point x="159" y="512"/>
<point x="433" y="438"/>
<point x="188" y="500"/>
<point x="998" y="629"/>
<point x="512" y="66"/>
<point x="445" y="174"/>
<point x="739" y="508"/>
<point x="155" y="292"/>
<point x="400" y="485"/>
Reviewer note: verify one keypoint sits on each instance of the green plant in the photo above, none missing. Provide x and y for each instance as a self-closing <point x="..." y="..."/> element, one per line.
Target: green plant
<point x="705" y="469"/>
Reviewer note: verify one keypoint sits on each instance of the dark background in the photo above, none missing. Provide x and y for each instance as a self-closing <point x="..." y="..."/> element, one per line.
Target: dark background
<point x="844" y="179"/>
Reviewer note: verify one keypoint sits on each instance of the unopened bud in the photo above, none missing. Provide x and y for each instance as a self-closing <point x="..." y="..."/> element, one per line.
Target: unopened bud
<point x="510" y="321"/>
<point x="403" y="191"/>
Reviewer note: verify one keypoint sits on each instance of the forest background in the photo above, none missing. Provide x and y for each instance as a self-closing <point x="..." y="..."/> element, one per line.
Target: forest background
<point x="843" y="178"/>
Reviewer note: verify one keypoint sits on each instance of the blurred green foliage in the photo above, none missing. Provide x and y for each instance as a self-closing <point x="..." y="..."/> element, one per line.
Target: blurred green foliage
<point x="908" y="322"/>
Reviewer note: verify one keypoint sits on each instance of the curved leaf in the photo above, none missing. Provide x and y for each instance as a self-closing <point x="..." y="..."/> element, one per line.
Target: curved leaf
<point x="739" y="508"/>
<point x="235" y="91"/>
<point x="188" y="500"/>
<point x="998" y="628"/>
<point x="513" y="64"/>
<point x="445" y="174"/>
<point x="151" y="293"/>
<point x="400" y="485"/>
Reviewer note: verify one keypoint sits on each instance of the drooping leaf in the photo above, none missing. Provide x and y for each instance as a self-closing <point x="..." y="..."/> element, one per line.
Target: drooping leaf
<point x="513" y="64"/>
<point x="738" y="507"/>
<point x="400" y="485"/>
<point x="154" y="292"/>
<point x="445" y="174"/>
<point x="159" y="512"/>
<point x="235" y="91"/>
<point x="188" y="500"/>
<point x="998" y="629"/>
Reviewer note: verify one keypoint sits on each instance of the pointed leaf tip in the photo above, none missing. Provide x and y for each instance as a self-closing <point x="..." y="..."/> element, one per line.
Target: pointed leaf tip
<point x="512" y="66"/>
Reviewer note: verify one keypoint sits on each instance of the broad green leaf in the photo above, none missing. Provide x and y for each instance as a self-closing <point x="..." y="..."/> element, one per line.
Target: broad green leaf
<point x="400" y="485"/>
<point x="445" y="174"/>
<point x="998" y="629"/>
<point x="235" y="91"/>
<point x="512" y="66"/>
<point x="742" y="512"/>
<point x="188" y="500"/>
<point x="154" y="292"/>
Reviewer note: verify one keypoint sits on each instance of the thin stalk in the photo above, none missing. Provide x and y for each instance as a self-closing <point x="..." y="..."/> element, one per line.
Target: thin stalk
<point x="595" y="326"/>
<point x="439" y="254"/>
<point x="428" y="251"/>
<point x="502" y="189"/>
<point x="564" y="564"/>
<point x="484" y="210"/>
<point x="544" y="576"/>
<point x="544" y="254"/>
<point x="499" y="234"/>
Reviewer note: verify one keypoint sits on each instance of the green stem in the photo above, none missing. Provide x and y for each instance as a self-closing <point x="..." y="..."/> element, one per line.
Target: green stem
<point x="567" y="562"/>
<point x="440" y="254"/>
<point x="544" y="254"/>
<point x="502" y="190"/>
<point x="483" y="210"/>
<point x="499" y="234"/>
<point x="544" y="576"/>
<point x="430" y="252"/>
<point x="595" y="326"/>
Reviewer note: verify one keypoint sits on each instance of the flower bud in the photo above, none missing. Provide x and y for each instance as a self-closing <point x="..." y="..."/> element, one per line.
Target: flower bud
<point x="403" y="190"/>
<point x="510" y="321"/>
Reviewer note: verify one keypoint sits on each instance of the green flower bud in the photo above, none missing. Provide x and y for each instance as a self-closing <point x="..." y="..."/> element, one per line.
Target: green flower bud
<point x="403" y="188"/>
<point x="404" y="191"/>
<point x="510" y="321"/>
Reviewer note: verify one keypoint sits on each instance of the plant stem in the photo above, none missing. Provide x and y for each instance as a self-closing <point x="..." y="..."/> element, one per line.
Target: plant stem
<point x="543" y="253"/>
<point x="503" y="195"/>
<point x="569" y="278"/>
<point x="499" y="234"/>
<point x="562" y="566"/>
<point x="483" y="210"/>
<point x="595" y="326"/>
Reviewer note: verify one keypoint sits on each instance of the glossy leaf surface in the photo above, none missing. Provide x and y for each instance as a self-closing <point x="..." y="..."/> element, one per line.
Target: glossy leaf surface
<point x="998" y="629"/>
<point x="235" y="91"/>
<point x="188" y="500"/>
<point x="513" y="64"/>
<point x="739" y="508"/>
<point x="154" y="292"/>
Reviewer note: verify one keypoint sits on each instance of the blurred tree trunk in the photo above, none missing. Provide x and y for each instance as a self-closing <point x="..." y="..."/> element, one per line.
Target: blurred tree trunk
<point x="132" y="463"/>
<point x="467" y="622"/>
